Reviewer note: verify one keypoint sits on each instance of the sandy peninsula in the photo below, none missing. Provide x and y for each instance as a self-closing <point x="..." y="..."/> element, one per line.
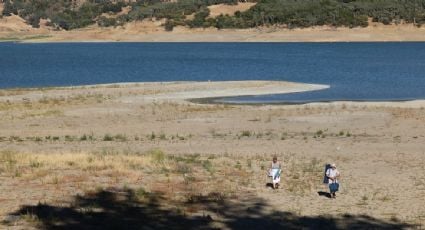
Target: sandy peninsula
<point x="141" y="155"/>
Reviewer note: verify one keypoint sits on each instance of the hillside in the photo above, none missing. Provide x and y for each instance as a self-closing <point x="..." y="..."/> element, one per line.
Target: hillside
<point x="211" y="21"/>
<point x="69" y="15"/>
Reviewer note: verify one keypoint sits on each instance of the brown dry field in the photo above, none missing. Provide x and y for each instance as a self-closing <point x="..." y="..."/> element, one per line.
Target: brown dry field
<point x="139" y="156"/>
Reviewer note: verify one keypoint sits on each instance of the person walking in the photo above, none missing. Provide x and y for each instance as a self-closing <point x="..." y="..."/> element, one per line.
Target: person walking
<point x="333" y="174"/>
<point x="274" y="172"/>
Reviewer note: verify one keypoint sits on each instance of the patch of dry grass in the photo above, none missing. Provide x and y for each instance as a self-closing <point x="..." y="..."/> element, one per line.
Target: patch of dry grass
<point x="48" y="102"/>
<point x="183" y="179"/>
<point x="191" y="173"/>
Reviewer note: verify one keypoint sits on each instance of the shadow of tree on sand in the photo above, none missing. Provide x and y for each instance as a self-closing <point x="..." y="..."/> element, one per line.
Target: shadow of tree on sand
<point x="123" y="209"/>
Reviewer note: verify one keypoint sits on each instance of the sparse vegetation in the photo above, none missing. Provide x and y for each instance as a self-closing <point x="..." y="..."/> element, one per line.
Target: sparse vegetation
<point x="120" y="137"/>
<point x="70" y="138"/>
<point x="162" y="136"/>
<point x="108" y="137"/>
<point x="246" y="133"/>
<point x="157" y="156"/>
<point x="363" y="201"/>
<point x="319" y="134"/>
<point x="152" y="136"/>
<point x="191" y="168"/>
<point x="208" y="166"/>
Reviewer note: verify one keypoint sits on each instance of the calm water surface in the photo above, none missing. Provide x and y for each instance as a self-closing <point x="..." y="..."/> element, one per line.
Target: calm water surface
<point x="355" y="71"/>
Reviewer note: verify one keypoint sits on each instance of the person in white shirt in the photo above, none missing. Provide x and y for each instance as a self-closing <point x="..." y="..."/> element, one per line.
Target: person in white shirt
<point x="332" y="173"/>
<point x="274" y="172"/>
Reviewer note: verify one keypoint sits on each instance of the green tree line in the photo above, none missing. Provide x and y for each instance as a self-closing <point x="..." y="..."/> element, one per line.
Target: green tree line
<point x="66" y="14"/>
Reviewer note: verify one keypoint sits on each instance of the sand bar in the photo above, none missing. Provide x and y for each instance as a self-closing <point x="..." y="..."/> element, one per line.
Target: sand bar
<point x="191" y="91"/>
<point x="197" y="90"/>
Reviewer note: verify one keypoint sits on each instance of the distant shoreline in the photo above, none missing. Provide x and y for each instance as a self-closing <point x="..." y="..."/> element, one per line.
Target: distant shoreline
<point x="181" y="35"/>
<point x="140" y="32"/>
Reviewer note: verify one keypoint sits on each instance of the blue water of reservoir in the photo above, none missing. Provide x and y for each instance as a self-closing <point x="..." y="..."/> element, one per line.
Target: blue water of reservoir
<point x="355" y="71"/>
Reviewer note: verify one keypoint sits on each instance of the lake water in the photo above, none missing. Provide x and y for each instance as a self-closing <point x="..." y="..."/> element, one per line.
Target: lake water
<point x="355" y="71"/>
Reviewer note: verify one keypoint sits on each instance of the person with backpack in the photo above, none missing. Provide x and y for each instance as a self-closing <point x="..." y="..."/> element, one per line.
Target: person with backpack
<point x="332" y="175"/>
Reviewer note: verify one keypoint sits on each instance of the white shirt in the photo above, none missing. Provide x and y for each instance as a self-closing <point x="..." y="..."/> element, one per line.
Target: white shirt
<point x="332" y="173"/>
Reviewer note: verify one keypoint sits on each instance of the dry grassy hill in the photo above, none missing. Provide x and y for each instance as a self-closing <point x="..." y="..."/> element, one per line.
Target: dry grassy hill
<point x="14" y="24"/>
<point x="216" y="10"/>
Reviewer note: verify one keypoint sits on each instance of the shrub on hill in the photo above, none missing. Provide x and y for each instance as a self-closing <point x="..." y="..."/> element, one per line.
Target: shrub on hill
<point x="292" y="13"/>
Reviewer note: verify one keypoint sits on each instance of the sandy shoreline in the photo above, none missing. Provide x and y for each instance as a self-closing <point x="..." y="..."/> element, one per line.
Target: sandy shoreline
<point x="14" y="28"/>
<point x="319" y="34"/>
<point x="176" y="91"/>
<point x="208" y="92"/>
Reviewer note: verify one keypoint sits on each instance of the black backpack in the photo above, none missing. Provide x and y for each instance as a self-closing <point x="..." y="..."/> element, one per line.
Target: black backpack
<point x="325" y="178"/>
